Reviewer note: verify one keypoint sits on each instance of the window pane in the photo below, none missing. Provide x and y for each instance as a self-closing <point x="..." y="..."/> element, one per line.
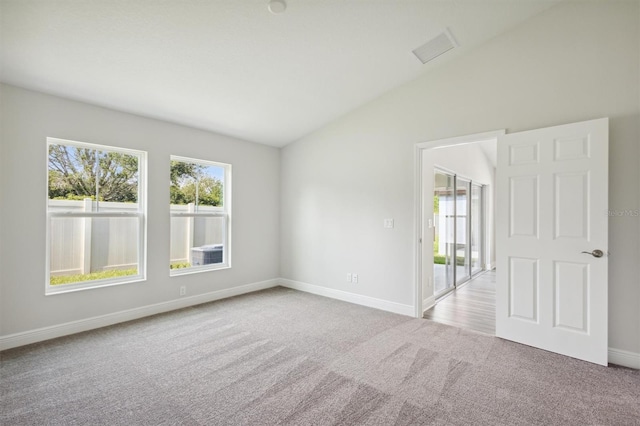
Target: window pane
<point x="76" y="173"/>
<point x="93" y="248"/>
<point x="197" y="241"/>
<point x="197" y="183"/>
<point x="198" y="191"/>
<point x="443" y="244"/>
<point x="89" y="183"/>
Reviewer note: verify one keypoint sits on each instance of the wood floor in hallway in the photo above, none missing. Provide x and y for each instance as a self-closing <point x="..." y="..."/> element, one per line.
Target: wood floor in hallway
<point x="473" y="306"/>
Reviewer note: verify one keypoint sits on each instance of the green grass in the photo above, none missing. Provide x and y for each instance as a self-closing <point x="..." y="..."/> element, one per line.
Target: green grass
<point x="440" y="259"/>
<point x="70" y="279"/>
<point x="114" y="273"/>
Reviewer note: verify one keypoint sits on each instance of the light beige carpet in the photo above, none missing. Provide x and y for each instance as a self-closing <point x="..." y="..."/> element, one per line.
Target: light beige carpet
<point x="284" y="357"/>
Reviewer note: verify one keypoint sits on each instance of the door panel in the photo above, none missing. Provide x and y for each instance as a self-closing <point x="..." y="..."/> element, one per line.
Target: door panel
<point x="571" y="205"/>
<point x="552" y="195"/>
<point x="523" y="289"/>
<point x="571" y="290"/>
<point x="523" y="206"/>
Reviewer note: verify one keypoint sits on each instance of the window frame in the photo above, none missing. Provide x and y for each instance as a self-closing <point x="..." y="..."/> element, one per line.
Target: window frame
<point x="140" y="214"/>
<point x="223" y="212"/>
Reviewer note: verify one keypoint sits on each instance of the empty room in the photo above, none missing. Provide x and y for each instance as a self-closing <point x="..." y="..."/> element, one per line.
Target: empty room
<point x="295" y="212"/>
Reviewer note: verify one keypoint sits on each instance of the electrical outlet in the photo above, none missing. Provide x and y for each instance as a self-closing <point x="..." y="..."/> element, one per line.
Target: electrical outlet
<point x="349" y="278"/>
<point x="183" y="290"/>
<point x="354" y="278"/>
<point x="388" y="223"/>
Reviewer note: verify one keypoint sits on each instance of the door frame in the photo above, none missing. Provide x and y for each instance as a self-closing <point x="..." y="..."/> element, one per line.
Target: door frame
<point x="420" y="304"/>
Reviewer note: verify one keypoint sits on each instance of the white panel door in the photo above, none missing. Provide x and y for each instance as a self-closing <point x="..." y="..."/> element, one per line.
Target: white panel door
<point x="551" y="223"/>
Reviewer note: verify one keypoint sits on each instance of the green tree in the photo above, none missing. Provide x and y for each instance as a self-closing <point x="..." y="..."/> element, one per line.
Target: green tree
<point x="184" y="179"/>
<point x="77" y="173"/>
<point x="209" y="191"/>
<point x="181" y="173"/>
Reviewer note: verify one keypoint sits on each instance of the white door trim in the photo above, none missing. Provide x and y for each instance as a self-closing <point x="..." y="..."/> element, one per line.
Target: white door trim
<point x="418" y="200"/>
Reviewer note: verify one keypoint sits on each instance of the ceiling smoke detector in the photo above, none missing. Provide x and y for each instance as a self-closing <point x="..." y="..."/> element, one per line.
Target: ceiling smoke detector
<point x="277" y="6"/>
<point x="435" y="47"/>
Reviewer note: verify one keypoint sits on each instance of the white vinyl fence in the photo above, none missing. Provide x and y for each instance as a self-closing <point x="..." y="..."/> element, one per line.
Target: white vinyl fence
<point x="189" y="232"/>
<point x="80" y="245"/>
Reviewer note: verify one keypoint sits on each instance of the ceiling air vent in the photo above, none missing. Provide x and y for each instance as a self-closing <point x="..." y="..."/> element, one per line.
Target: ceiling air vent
<point x="435" y="47"/>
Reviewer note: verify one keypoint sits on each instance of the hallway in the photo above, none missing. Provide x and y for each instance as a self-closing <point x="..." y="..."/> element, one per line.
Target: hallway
<point x="473" y="306"/>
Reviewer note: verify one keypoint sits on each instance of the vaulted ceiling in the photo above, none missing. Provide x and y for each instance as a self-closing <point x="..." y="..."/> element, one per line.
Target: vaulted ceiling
<point x="231" y="66"/>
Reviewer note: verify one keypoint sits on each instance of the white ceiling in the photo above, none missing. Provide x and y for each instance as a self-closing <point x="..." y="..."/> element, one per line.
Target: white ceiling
<point x="231" y="66"/>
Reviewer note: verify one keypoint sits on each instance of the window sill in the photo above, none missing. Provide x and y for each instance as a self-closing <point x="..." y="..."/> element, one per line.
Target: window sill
<point x="197" y="270"/>
<point x="89" y="285"/>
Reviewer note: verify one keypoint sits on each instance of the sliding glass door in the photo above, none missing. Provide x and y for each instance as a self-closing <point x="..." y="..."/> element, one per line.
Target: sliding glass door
<point x="443" y="244"/>
<point x="458" y="223"/>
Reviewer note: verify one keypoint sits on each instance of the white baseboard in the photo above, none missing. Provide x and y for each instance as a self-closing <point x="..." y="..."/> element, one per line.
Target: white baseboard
<point x="358" y="299"/>
<point x="46" y="333"/>
<point x="428" y="303"/>
<point x="624" y="358"/>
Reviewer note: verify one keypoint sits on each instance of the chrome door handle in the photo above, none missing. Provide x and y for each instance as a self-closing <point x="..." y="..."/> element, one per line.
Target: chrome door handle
<point x="595" y="253"/>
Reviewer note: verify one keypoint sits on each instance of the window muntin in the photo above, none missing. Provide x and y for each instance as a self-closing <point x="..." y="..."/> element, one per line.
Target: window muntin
<point x="95" y="216"/>
<point x="200" y="209"/>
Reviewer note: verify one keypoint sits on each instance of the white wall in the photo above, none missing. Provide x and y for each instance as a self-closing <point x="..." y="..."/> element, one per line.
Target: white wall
<point x="574" y="62"/>
<point x="28" y="118"/>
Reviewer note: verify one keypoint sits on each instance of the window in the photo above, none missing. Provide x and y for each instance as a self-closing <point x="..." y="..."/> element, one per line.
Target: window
<point x="95" y="216"/>
<point x="200" y="209"/>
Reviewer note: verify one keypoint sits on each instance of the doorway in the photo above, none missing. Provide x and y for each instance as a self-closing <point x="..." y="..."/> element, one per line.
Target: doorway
<point x="455" y="211"/>
<point x="551" y="290"/>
